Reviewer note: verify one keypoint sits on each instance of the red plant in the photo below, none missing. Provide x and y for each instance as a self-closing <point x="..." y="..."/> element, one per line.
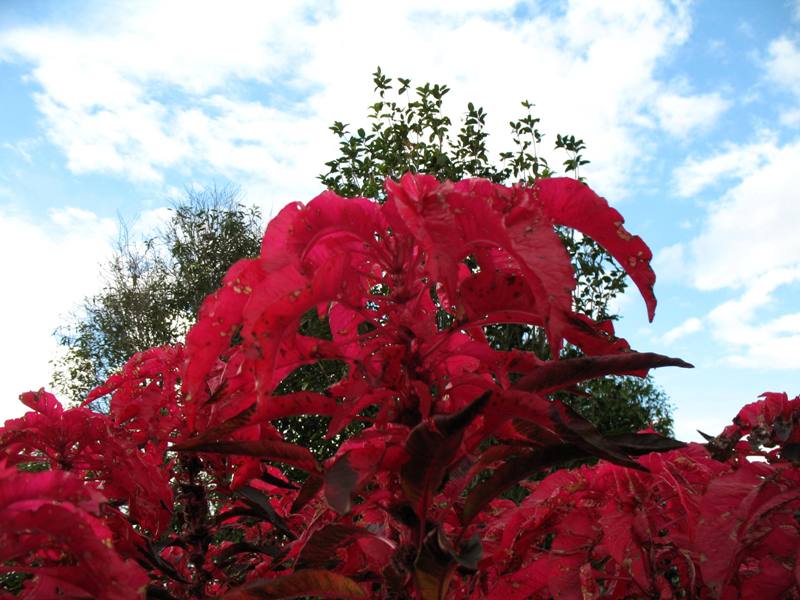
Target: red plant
<point x="187" y="489"/>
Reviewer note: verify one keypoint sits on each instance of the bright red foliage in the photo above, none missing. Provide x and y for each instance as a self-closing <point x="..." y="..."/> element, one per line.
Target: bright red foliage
<point x="176" y="493"/>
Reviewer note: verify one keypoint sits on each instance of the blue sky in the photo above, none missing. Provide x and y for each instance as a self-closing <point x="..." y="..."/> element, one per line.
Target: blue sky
<point x="690" y="112"/>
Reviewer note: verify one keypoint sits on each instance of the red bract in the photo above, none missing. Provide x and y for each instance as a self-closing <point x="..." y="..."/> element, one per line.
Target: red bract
<point x="81" y="441"/>
<point x="191" y="479"/>
<point x="50" y="526"/>
<point x="690" y="525"/>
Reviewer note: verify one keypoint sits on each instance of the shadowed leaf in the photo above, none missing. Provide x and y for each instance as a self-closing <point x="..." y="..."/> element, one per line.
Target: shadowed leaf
<point x="514" y="470"/>
<point x="284" y="452"/>
<point x="305" y="582"/>
<point x="644" y="443"/>
<point x="340" y="481"/>
<point x="432" y="446"/>
<point x="321" y="546"/>
<point x="311" y="486"/>
<point x="237" y="421"/>
<point x="559" y="374"/>
<point x="259" y="501"/>
<point x="435" y="566"/>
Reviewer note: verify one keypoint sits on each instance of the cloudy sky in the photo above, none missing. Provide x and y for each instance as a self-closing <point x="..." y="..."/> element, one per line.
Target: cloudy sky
<point x="690" y="112"/>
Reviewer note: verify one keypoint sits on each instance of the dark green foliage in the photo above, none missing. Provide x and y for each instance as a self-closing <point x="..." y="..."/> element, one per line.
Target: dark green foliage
<point x="205" y="236"/>
<point x="623" y="404"/>
<point x="131" y="313"/>
<point x="153" y="289"/>
<point x="13" y="582"/>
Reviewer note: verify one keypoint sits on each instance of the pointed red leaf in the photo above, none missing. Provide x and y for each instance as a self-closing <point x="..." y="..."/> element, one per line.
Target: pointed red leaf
<point x="276" y="450"/>
<point x="513" y="470"/>
<point x="321" y="546"/>
<point x="559" y="374"/>
<point x="573" y="204"/>
<point x="305" y="582"/>
<point x="432" y="447"/>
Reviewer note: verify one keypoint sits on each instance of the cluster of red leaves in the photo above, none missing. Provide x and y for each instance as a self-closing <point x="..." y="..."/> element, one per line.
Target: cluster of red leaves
<point x="187" y="489"/>
<point x="689" y="526"/>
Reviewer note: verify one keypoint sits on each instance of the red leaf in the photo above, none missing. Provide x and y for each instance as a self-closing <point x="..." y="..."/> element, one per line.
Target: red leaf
<point x="299" y="403"/>
<point x="42" y="402"/>
<point x="432" y="447"/>
<point x="624" y="546"/>
<point x="284" y="452"/>
<point x="560" y="374"/>
<point x="723" y="512"/>
<point x="359" y="458"/>
<point x="219" y="319"/>
<point x="328" y="224"/>
<point x="305" y="582"/>
<point x="321" y="546"/>
<point x="50" y="527"/>
<point x="513" y="470"/>
<point x="573" y="204"/>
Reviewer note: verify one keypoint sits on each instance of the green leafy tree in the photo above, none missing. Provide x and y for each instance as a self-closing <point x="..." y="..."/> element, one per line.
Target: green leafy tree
<point x="154" y="288"/>
<point x="409" y="131"/>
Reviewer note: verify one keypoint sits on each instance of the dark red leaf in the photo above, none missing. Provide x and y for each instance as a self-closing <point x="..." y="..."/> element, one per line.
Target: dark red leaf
<point x="576" y="430"/>
<point x="434" y="566"/>
<point x="432" y="447"/>
<point x="341" y="480"/>
<point x="304" y="582"/>
<point x="320" y="548"/>
<point x="261" y="502"/>
<point x="276" y="450"/>
<point x="559" y="374"/>
<point x="644" y="443"/>
<point x="310" y="488"/>
<point x="526" y="464"/>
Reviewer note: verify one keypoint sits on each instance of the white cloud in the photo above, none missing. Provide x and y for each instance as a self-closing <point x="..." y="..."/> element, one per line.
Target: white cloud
<point x="682" y="115"/>
<point x="671" y="262"/>
<point x="752" y="230"/>
<point x="753" y="341"/>
<point x="134" y="94"/>
<point x="733" y="161"/>
<point x="783" y="64"/>
<point x="790" y="118"/>
<point x="783" y="70"/>
<point x="688" y="327"/>
<point x="47" y="269"/>
<point x="749" y="243"/>
<point x="149" y="222"/>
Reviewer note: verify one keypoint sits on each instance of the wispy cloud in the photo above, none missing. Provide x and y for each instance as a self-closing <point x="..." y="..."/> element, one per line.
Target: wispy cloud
<point x="730" y="164"/>
<point x="752" y="229"/>
<point x="752" y="340"/>
<point x="134" y="95"/>
<point x="749" y="244"/>
<point x="783" y="64"/>
<point x="688" y="327"/>
<point x="23" y="148"/>
<point x="782" y="67"/>
<point x="682" y="115"/>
